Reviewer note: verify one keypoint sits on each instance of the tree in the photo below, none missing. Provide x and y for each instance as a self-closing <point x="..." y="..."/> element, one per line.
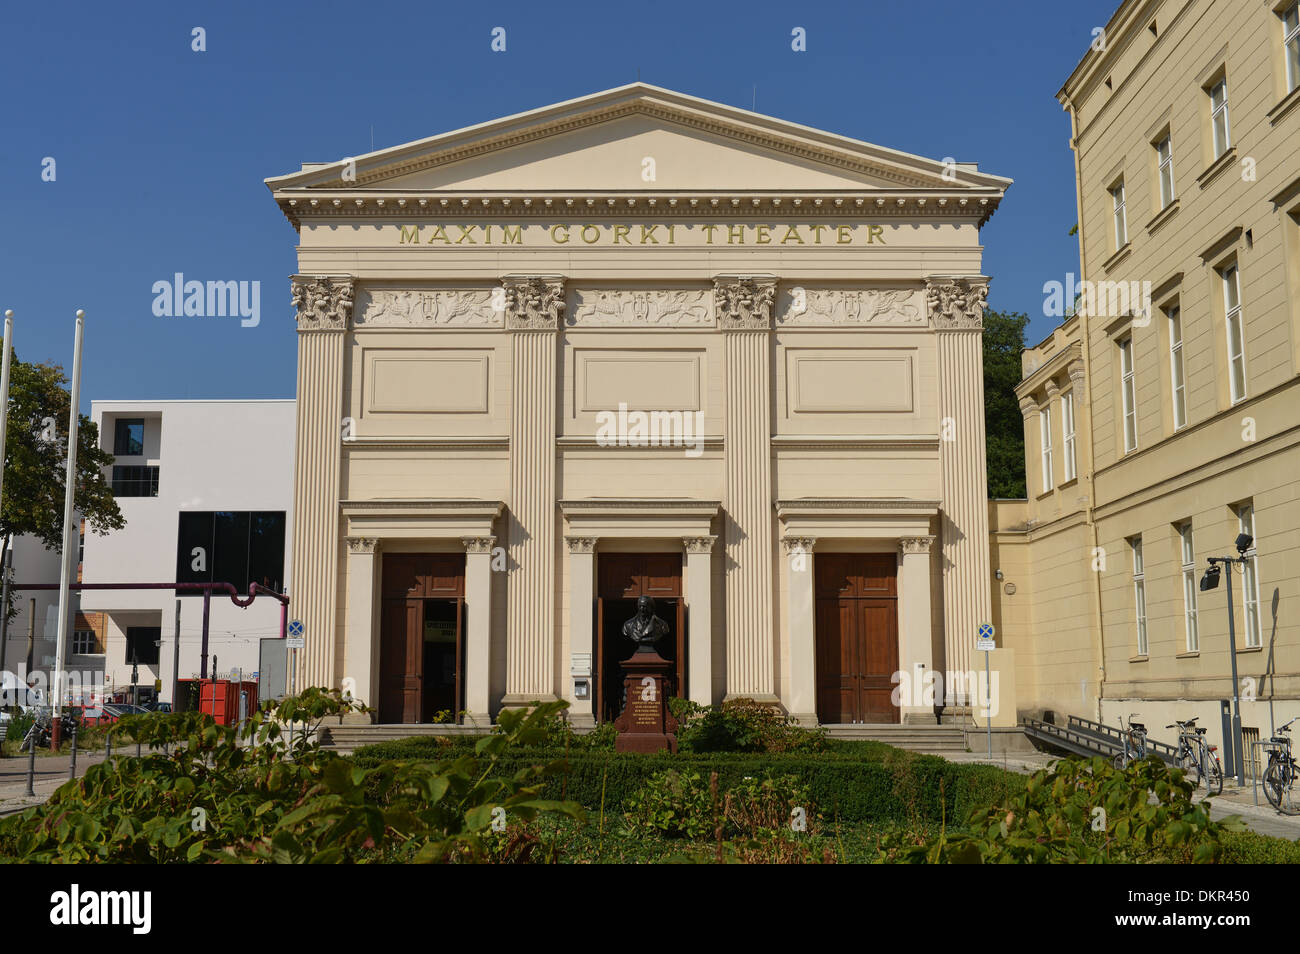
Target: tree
<point x="1004" y="339"/>
<point x="35" y="462"/>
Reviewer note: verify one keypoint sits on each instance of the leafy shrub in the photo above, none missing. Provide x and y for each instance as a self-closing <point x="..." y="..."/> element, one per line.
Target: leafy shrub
<point x="741" y="725"/>
<point x="1084" y="811"/>
<point x="759" y="807"/>
<point x="677" y="804"/>
<point x="245" y="794"/>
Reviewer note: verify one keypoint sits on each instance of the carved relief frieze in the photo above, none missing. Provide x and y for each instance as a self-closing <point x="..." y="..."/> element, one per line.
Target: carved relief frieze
<point x="430" y="308"/>
<point x="652" y="307"/>
<point x="799" y="305"/>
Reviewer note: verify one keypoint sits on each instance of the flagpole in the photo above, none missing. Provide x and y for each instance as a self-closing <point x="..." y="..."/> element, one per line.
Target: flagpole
<point x="4" y="390"/>
<point x="69" y="498"/>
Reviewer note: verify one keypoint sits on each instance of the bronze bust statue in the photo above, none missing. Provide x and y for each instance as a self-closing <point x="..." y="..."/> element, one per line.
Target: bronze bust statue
<point x="645" y="628"/>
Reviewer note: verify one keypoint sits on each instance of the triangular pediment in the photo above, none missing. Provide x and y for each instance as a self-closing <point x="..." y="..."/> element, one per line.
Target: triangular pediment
<point x="636" y="138"/>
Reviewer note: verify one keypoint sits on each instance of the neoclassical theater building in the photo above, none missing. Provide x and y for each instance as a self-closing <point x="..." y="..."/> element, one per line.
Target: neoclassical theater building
<point x="638" y="344"/>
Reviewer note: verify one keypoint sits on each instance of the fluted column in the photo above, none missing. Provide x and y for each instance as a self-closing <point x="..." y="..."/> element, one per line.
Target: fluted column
<point x="956" y="307"/>
<point x="582" y="596"/>
<point x="699" y="604"/>
<point x="801" y="621"/>
<point x="359" y="637"/>
<point x="478" y="631"/>
<point x="745" y="316"/>
<point x="324" y="305"/>
<point x="534" y="306"/>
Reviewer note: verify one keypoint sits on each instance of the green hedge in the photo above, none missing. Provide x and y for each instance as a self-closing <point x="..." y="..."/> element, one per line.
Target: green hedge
<point x="894" y="785"/>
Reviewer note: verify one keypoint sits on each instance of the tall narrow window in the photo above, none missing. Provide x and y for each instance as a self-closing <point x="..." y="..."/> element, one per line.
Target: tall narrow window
<point x="1189" y="589"/>
<point x="1250" y="578"/>
<point x="1128" y="391"/>
<point x="1291" y="45"/>
<point x="1176" y="367"/>
<point x="1219" y="117"/>
<point x="1067" y="435"/>
<point x="1045" y="428"/>
<point x="1121" y="219"/>
<point x="1165" y="158"/>
<point x="1139" y="595"/>
<point x="1236" y="344"/>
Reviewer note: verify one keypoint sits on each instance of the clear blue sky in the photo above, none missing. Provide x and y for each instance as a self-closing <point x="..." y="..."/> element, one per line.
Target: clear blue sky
<point x="160" y="151"/>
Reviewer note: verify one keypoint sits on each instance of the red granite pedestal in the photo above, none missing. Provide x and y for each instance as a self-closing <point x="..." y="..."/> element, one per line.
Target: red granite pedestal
<point x="646" y="725"/>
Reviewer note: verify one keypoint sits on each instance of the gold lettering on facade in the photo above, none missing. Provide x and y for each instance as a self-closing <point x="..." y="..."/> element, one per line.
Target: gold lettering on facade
<point x="708" y="234"/>
<point x="557" y="231"/>
<point x="440" y="234"/>
<point x="817" y="234"/>
<point x="647" y="234"/>
<point x="595" y="229"/>
<point x="762" y="234"/>
<point x="735" y="235"/>
<point x="464" y="234"/>
<point x="512" y="238"/>
<point x="844" y="235"/>
<point x="875" y="232"/>
<point x="620" y="232"/>
<point x="413" y="231"/>
<point x="561" y="233"/>
<point x="791" y="232"/>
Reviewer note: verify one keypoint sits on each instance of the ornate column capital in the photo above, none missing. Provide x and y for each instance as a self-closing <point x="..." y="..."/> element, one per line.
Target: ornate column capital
<point x="1077" y="376"/>
<point x="362" y="545"/>
<point x="699" y="544"/>
<point x="324" y="302"/>
<point x="581" y="544"/>
<point x="744" y="303"/>
<point x="957" y="303"/>
<point x="478" y="544"/>
<point x="533" y="302"/>
<point x="1052" y="388"/>
<point x="794" y="545"/>
<point x="915" y="544"/>
<point x="1028" y="407"/>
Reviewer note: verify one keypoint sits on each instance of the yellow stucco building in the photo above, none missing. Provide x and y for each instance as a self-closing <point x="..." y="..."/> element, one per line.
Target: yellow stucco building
<point x="1163" y="418"/>
<point x="639" y="344"/>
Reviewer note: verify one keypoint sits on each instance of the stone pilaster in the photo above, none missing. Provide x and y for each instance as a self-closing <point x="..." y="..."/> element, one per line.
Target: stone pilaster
<point x="324" y="308"/>
<point x="699" y="604"/>
<point x="917" y="657"/>
<point x="582" y="596"/>
<point x="534" y="312"/>
<point x="360" y="637"/>
<point x="956" y="310"/>
<point x="801" y="623"/>
<point x="744" y="307"/>
<point x="478" y="632"/>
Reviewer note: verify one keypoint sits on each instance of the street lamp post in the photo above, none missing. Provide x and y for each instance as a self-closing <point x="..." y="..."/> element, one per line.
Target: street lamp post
<point x="1209" y="582"/>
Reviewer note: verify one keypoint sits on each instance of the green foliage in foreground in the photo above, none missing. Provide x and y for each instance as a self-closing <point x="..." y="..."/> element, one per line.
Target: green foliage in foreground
<point x="214" y="793"/>
<point x="1086" y="812"/>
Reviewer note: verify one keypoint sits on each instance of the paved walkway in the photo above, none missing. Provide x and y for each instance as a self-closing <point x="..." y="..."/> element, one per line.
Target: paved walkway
<point x="51" y="772"/>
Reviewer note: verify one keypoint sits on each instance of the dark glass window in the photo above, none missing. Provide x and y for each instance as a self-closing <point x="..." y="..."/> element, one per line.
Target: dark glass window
<point x="142" y="644"/>
<point x="135" y="481"/>
<point x="225" y="546"/>
<point x="128" y="437"/>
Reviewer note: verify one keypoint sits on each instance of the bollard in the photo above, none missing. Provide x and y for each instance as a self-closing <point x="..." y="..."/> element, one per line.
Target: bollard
<point x="31" y="768"/>
<point x="108" y="746"/>
<point x="72" y="768"/>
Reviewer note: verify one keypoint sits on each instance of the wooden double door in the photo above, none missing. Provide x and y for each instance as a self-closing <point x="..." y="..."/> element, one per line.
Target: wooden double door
<point x="857" y="637"/>
<point x="422" y="637"/>
<point x="621" y="579"/>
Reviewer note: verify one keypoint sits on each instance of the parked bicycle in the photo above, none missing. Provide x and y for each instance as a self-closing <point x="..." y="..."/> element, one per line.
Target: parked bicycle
<point x="1280" y="774"/>
<point x="1198" y="759"/>
<point x="38" y="733"/>
<point x="1135" y="744"/>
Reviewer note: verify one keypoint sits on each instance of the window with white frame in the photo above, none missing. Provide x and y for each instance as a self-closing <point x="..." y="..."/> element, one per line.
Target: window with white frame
<point x="1165" y="161"/>
<point x="1128" y="392"/>
<point x="1236" y="334"/>
<point x="1067" y="435"/>
<point x="1139" y="595"/>
<point x="1045" y="429"/>
<point x="1250" y="578"/>
<point x="1121" y="218"/>
<point x="1220" y="132"/>
<point x="1291" y="45"/>
<point x="1176" y="366"/>
<point x="1189" y="588"/>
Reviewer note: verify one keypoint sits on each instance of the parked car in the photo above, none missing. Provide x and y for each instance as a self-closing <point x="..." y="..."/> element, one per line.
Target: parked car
<point x="158" y="706"/>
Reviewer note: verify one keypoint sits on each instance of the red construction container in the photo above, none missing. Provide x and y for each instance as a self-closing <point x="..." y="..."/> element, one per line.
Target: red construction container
<point x="219" y="698"/>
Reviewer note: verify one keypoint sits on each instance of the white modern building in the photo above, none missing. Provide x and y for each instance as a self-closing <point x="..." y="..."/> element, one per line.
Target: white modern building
<point x="34" y="630"/>
<point x="206" y="488"/>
